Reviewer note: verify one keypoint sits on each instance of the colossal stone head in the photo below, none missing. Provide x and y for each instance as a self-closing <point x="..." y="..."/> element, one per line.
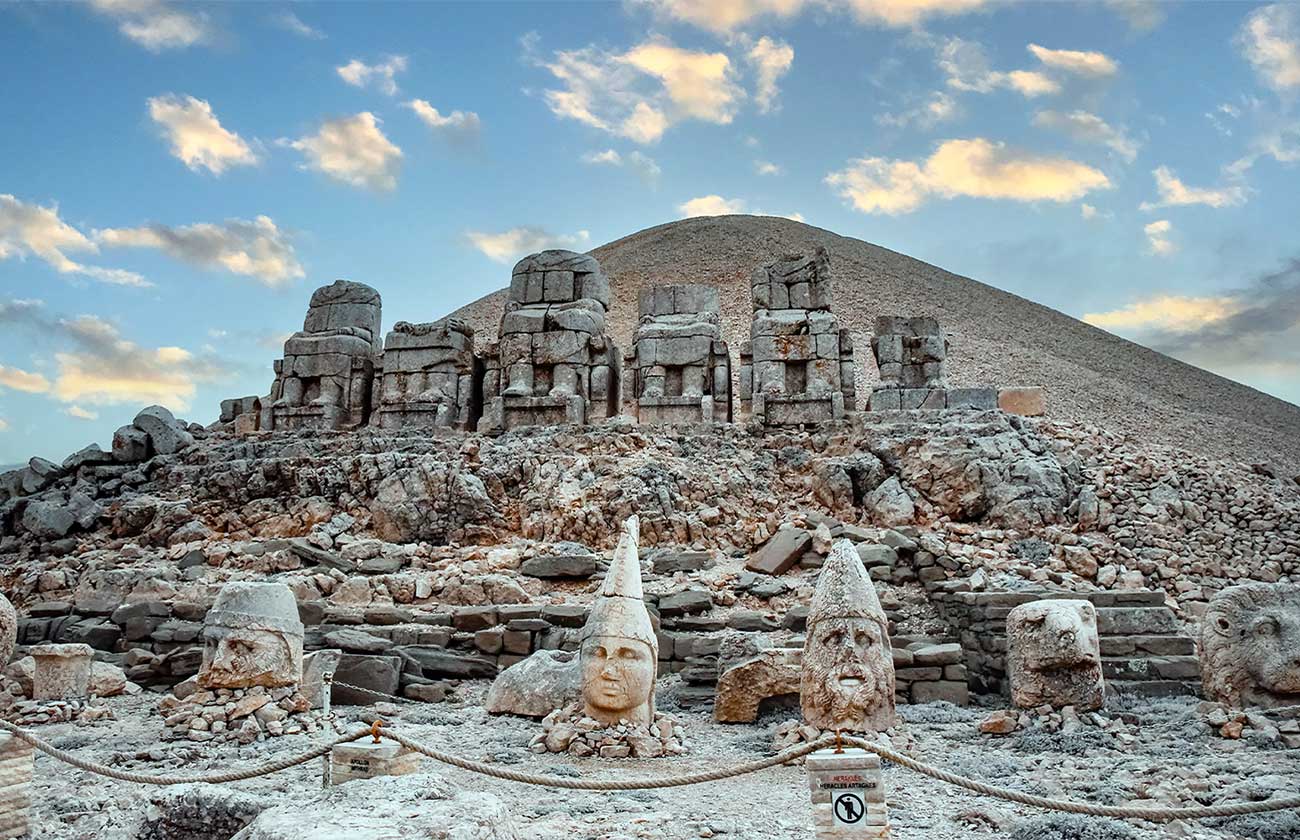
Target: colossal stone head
<point x="1054" y="655"/>
<point x="847" y="680"/>
<point x="252" y="636"/>
<point x="620" y="652"/>
<point x="1250" y="645"/>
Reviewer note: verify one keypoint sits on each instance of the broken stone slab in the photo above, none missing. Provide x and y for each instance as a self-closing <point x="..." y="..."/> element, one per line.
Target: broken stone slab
<point x="780" y="553"/>
<point x="88" y="455"/>
<point x="743" y="687"/>
<point x="130" y="445"/>
<point x="373" y="673"/>
<point x="356" y="641"/>
<point x="546" y="681"/>
<point x="563" y="566"/>
<point x="439" y="662"/>
<point x="685" y="602"/>
<point x="318" y="556"/>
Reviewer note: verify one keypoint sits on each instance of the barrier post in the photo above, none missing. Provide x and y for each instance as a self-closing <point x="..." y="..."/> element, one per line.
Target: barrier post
<point x="848" y="795"/>
<point x="16" y="758"/>
<point x="327" y="687"/>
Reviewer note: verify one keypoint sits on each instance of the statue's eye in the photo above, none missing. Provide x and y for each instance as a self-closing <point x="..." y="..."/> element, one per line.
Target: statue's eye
<point x="835" y="637"/>
<point x="1223" y="624"/>
<point x="1266" y="628"/>
<point x="627" y="653"/>
<point x="862" y="638"/>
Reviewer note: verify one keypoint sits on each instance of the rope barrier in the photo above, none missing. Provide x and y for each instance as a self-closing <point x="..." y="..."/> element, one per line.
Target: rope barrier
<point x="1071" y="807"/>
<point x="609" y="784"/>
<point x="147" y="779"/>
<point x="378" y="730"/>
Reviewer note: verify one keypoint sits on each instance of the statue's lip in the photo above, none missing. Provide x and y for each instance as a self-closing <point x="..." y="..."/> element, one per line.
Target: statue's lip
<point x="851" y="681"/>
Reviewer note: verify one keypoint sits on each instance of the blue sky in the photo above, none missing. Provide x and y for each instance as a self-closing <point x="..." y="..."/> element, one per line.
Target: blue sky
<point x="178" y="178"/>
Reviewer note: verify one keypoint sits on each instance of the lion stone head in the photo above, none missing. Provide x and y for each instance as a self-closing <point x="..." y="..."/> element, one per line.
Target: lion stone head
<point x="1250" y="645"/>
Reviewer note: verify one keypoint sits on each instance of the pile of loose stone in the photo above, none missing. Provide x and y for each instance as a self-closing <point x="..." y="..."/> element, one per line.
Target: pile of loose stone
<point x="40" y="712"/>
<point x="243" y="715"/>
<point x="568" y="730"/>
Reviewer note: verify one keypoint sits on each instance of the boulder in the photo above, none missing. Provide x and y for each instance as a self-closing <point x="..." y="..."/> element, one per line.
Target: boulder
<point x="47" y="520"/>
<point x="167" y="436"/>
<point x="563" y="566"/>
<point x="546" y="681"/>
<point x="199" y="812"/>
<point x="889" y="504"/>
<point x="743" y="687"/>
<point x="130" y="445"/>
<point x="440" y="662"/>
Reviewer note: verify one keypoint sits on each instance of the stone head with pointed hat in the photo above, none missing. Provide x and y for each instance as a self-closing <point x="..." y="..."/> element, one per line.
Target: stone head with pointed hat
<point x="252" y="636"/>
<point x="620" y="652"/>
<point x="848" y="670"/>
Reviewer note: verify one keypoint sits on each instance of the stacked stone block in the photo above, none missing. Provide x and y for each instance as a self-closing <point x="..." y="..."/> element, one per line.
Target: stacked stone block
<point x="678" y="370"/>
<point x="797" y="367"/>
<point x="16" y="762"/>
<point x="429" y="377"/>
<point x="325" y="379"/>
<point x="553" y="362"/>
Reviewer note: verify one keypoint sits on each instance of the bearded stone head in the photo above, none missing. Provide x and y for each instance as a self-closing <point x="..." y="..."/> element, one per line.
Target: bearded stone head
<point x="251" y="637"/>
<point x="620" y="652"/>
<point x="847" y="681"/>
<point x="1250" y="645"/>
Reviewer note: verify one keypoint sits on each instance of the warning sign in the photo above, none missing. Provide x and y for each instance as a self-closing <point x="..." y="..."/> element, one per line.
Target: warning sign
<point x="849" y="807"/>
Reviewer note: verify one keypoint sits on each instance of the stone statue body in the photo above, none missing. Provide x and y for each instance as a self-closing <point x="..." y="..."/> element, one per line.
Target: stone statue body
<point x="847" y="681"/>
<point x="1250" y="646"/>
<point x="620" y="652"/>
<point x="252" y="637"/>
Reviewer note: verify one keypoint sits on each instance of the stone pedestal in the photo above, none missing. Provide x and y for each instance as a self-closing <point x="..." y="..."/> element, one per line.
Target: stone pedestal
<point x="848" y="795"/>
<point x="364" y="760"/>
<point x="62" y="672"/>
<point x="15" y="786"/>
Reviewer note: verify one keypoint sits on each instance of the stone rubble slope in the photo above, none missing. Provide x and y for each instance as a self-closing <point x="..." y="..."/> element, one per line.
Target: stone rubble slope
<point x="998" y="338"/>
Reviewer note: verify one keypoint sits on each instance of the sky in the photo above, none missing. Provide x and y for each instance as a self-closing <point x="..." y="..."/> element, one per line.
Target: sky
<point x="177" y="178"/>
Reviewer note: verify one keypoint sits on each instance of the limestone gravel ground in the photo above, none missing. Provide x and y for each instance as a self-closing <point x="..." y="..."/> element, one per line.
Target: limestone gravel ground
<point x="1157" y="753"/>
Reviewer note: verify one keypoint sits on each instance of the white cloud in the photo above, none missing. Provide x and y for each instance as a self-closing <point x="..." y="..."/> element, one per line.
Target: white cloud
<point x="1282" y="143"/>
<point x="4" y="425"/>
<point x="254" y="248"/>
<point x="290" y="22"/>
<point x="1089" y="212"/>
<point x="100" y="367"/>
<point x="1158" y="240"/>
<point x="771" y="60"/>
<point x="724" y="16"/>
<point x="966" y="68"/>
<point x="1166" y="312"/>
<point x="458" y="126"/>
<point x="1089" y="128"/>
<point x="518" y="242"/>
<point x="352" y="150"/>
<point x="32" y="230"/>
<point x="716" y="205"/>
<point x="198" y="139"/>
<point x="1091" y="64"/>
<point x="1270" y="40"/>
<point x="940" y="107"/>
<point x="640" y="93"/>
<point x="643" y="166"/>
<point x="21" y="380"/>
<point x="81" y="413"/>
<point x="383" y="75"/>
<point x="974" y="168"/>
<point x="1174" y="193"/>
<point x="766" y="167"/>
<point x="156" y="25"/>
<point x="1141" y="15"/>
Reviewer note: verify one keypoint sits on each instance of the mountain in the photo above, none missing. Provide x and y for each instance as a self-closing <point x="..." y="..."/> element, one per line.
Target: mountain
<point x="998" y="338"/>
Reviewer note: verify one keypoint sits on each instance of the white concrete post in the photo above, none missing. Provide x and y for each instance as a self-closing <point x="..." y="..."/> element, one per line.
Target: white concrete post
<point x="848" y="795"/>
<point x="15" y="786"/>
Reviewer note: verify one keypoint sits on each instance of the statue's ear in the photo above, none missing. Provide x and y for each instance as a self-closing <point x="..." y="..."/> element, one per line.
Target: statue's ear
<point x="1219" y="623"/>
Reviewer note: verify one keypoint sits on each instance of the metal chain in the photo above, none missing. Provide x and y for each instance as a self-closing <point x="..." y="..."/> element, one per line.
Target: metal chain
<point x="380" y="694"/>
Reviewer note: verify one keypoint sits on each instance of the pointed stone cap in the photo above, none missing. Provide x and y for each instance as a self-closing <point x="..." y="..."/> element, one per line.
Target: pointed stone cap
<point x="246" y="605"/>
<point x="844" y="589"/>
<point x="620" y="608"/>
